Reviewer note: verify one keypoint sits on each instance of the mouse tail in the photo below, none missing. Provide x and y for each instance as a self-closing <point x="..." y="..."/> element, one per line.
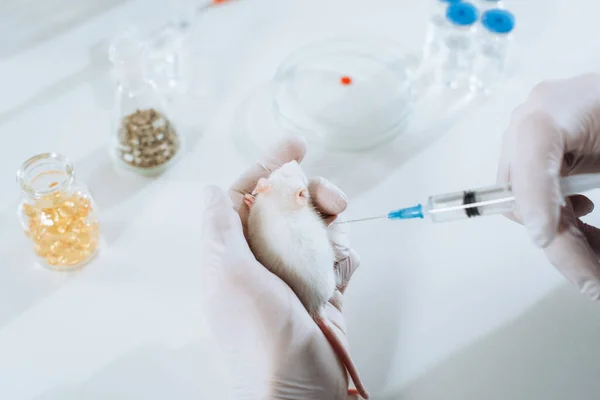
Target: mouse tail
<point x="334" y="337"/>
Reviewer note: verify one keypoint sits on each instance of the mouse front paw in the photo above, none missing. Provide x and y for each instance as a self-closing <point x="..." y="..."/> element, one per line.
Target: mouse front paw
<point x="249" y="200"/>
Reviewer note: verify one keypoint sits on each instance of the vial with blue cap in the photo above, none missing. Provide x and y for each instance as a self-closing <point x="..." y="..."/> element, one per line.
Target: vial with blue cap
<point x="438" y="25"/>
<point x="459" y="45"/>
<point x="494" y="39"/>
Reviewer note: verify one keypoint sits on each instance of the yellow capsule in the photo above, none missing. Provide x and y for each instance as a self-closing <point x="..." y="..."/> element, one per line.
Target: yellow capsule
<point x="41" y="234"/>
<point x="85" y="237"/>
<point x="66" y="212"/>
<point x="30" y="211"/>
<point x="71" y="238"/>
<point x="76" y="226"/>
<point x="53" y="260"/>
<point x="56" y="249"/>
<point x="83" y="246"/>
<point x="62" y="226"/>
<point x="31" y="228"/>
<point x="71" y="262"/>
<point x="54" y="214"/>
<point x="46" y="220"/>
<point x="83" y="212"/>
<point x="72" y="257"/>
<point x="41" y="250"/>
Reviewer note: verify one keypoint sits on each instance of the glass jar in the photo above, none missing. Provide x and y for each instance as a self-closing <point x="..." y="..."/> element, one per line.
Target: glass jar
<point x="145" y="139"/>
<point x="57" y="213"/>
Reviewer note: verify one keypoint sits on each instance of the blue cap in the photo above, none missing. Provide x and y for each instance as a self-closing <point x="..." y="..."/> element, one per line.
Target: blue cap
<point x="407" y="213"/>
<point x="498" y="21"/>
<point x="463" y="14"/>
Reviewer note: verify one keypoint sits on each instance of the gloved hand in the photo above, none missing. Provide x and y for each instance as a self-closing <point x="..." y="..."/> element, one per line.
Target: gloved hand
<point x="275" y="348"/>
<point x="556" y="132"/>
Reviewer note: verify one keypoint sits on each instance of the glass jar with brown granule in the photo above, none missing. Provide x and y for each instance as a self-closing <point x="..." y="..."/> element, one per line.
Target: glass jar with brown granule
<point x="146" y="140"/>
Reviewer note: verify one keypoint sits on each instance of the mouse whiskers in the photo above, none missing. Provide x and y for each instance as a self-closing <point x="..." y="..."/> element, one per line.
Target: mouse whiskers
<point x="263" y="166"/>
<point x="243" y="192"/>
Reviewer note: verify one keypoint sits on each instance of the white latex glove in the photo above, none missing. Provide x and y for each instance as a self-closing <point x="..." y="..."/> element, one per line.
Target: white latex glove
<point x="557" y="132"/>
<point x="275" y="349"/>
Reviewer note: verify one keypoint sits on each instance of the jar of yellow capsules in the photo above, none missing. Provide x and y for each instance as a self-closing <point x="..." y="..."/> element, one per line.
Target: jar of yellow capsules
<point x="57" y="213"/>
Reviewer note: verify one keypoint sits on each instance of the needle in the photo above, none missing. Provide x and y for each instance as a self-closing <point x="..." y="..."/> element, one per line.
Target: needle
<point x="362" y="219"/>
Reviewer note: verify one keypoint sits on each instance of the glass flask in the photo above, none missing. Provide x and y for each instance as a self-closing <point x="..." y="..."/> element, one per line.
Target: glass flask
<point x="168" y="60"/>
<point x="145" y="139"/>
<point x="57" y="213"/>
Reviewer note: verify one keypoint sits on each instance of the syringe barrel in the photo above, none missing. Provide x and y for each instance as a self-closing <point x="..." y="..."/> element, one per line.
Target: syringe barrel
<point x="470" y="203"/>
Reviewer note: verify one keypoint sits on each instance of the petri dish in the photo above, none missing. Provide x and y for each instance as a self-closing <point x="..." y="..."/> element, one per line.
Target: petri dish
<point x="344" y="93"/>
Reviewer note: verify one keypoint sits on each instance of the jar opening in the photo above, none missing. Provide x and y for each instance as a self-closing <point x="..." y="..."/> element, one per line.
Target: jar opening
<point x="45" y="174"/>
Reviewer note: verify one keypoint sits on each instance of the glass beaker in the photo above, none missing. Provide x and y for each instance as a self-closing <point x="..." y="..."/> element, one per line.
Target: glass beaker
<point x="145" y="139"/>
<point x="57" y="213"/>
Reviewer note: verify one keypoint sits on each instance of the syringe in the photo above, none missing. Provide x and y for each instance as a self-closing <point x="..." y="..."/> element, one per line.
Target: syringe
<point x="480" y="202"/>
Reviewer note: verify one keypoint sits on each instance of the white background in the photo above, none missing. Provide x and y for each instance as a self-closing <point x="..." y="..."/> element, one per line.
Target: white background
<point x="455" y="311"/>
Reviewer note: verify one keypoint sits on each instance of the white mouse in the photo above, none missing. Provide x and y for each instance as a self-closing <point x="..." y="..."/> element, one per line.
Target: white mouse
<point x="287" y="235"/>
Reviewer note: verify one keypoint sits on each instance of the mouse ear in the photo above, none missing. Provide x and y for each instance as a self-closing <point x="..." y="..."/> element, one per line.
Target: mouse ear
<point x="263" y="186"/>
<point x="302" y="196"/>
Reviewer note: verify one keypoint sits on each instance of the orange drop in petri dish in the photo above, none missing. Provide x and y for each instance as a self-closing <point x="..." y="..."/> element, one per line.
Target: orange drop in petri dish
<point x="345" y="80"/>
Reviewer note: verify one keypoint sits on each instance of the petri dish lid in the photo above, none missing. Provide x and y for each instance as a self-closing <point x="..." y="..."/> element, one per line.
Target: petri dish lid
<point x="498" y="21"/>
<point x="345" y="93"/>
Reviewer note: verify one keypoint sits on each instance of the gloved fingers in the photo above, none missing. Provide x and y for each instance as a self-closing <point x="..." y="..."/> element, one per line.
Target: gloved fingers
<point x="571" y="253"/>
<point x="222" y="230"/>
<point x="328" y="199"/>
<point x="345" y="268"/>
<point x="346" y="259"/>
<point x="337" y="300"/>
<point x="333" y="311"/>
<point x="582" y="206"/>
<point x="535" y="171"/>
<point x="338" y="234"/>
<point x="289" y="149"/>
<point x="508" y="139"/>
<point x="588" y="164"/>
<point x="219" y="220"/>
<point x="592" y="234"/>
<point x="216" y="225"/>
<point x="503" y="173"/>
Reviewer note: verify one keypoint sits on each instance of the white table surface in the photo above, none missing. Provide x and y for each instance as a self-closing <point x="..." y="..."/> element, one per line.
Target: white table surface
<point x="454" y="311"/>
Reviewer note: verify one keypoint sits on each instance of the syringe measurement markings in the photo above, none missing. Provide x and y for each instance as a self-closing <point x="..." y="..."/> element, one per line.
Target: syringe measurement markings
<point x="471" y="205"/>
